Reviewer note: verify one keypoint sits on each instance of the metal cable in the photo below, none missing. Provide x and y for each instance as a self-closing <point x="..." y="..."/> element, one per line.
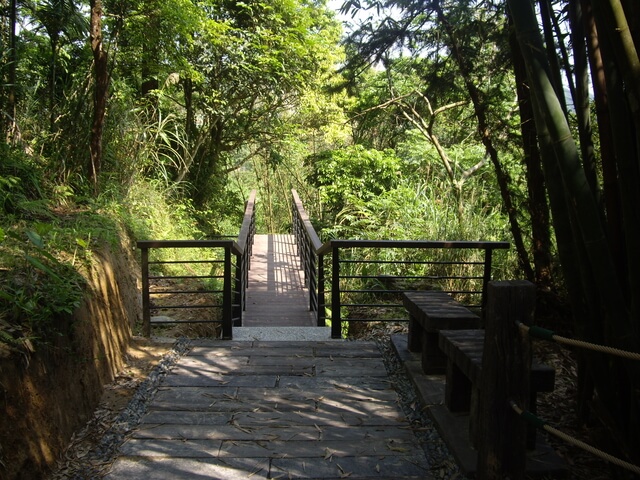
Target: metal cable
<point x="546" y="334"/>
<point x="538" y="422"/>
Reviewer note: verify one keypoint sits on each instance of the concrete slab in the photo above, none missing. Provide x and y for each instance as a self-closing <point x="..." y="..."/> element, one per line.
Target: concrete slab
<point x="282" y="333"/>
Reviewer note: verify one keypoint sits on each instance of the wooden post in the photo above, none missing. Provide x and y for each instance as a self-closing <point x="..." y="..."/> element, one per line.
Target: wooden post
<point x="336" y="321"/>
<point x="227" y="298"/>
<point x="506" y="363"/>
<point x="146" y="304"/>
<point x="486" y="278"/>
<point x="321" y="314"/>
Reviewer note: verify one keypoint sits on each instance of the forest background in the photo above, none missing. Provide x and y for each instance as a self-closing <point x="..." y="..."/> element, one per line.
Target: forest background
<point x="474" y="120"/>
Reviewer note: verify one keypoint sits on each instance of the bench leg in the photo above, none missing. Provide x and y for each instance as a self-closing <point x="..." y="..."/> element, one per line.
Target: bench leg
<point x="434" y="361"/>
<point x="531" y="430"/>
<point x="473" y="419"/>
<point x="457" y="393"/>
<point x="414" y="337"/>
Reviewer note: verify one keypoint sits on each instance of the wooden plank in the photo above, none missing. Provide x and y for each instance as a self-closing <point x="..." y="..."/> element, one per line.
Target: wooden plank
<point x="437" y="311"/>
<point x="271" y="432"/>
<point x="300" y="426"/>
<point x="276" y="294"/>
<point x="176" y="468"/>
<point x="303" y="449"/>
<point x="377" y="466"/>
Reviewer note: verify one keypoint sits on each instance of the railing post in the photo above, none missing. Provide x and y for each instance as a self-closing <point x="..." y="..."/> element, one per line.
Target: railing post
<point x="506" y="363"/>
<point x="146" y="307"/>
<point x="227" y="297"/>
<point x="312" y="281"/>
<point x="238" y="290"/>
<point x="486" y="278"/>
<point x="336" y="321"/>
<point x="322" y="300"/>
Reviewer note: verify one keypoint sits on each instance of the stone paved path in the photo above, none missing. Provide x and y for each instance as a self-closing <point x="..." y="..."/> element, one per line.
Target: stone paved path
<point x="257" y="410"/>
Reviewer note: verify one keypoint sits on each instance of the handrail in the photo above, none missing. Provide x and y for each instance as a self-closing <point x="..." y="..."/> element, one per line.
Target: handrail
<point x="245" y="244"/>
<point x="308" y="244"/>
<point x="247" y="230"/>
<point x="306" y="223"/>
<point x="328" y="246"/>
<point x="231" y="244"/>
<point x="234" y="282"/>
<point x="317" y="257"/>
<point x="334" y="248"/>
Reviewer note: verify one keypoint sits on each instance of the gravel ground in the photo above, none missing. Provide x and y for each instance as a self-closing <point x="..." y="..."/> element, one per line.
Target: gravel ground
<point x="87" y="463"/>
<point x="443" y="465"/>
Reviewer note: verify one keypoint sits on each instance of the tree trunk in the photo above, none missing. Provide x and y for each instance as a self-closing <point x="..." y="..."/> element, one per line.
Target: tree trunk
<point x="101" y="78"/>
<point x="150" y="52"/>
<point x="546" y="11"/>
<point x="615" y="381"/>
<point x="623" y="80"/>
<point x="484" y="130"/>
<point x="632" y="7"/>
<point x="538" y="206"/>
<point x="52" y="81"/>
<point x="581" y="98"/>
<point x="611" y="188"/>
<point x="10" y="129"/>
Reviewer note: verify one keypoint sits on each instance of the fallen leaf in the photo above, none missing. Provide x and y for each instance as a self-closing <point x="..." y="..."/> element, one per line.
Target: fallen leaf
<point x="343" y="474"/>
<point x="328" y="454"/>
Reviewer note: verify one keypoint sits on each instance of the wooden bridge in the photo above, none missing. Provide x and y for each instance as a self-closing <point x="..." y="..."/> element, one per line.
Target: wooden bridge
<point x="276" y="292"/>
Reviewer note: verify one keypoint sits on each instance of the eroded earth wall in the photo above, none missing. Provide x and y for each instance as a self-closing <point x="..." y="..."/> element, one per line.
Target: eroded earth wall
<point x="48" y="395"/>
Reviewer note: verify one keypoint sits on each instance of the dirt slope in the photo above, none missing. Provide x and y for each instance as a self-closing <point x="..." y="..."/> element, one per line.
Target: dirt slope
<point x="48" y="395"/>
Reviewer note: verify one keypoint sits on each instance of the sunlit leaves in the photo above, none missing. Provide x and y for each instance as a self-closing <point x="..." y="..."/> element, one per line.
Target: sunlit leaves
<point x="353" y="171"/>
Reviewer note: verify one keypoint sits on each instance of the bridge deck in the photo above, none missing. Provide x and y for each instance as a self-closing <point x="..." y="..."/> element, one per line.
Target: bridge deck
<point x="233" y="409"/>
<point x="276" y="294"/>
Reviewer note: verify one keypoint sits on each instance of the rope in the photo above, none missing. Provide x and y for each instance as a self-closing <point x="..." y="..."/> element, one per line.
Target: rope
<point x="539" y="423"/>
<point x="545" y="334"/>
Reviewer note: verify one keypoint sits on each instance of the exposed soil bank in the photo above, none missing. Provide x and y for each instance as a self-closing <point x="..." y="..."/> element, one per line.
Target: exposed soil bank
<point x="48" y="395"/>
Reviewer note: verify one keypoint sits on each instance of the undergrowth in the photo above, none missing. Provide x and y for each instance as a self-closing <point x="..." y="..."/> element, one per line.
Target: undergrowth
<point x="47" y="238"/>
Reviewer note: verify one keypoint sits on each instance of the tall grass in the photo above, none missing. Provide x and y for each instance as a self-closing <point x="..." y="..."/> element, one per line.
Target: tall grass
<point x="421" y="212"/>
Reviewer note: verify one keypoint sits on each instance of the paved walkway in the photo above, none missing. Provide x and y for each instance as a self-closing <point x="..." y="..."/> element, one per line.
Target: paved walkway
<point x="233" y="409"/>
<point x="250" y="408"/>
<point x="276" y="294"/>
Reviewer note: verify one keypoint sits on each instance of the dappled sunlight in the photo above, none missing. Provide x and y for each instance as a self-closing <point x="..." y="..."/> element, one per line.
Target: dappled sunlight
<point x="270" y="409"/>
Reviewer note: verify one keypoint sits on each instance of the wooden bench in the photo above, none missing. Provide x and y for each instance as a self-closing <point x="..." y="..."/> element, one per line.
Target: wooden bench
<point x="429" y="312"/>
<point x="463" y="349"/>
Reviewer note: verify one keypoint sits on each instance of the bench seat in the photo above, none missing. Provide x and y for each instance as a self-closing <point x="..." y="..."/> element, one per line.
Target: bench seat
<point x="463" y="349"/>
<point x="429" y="312"/>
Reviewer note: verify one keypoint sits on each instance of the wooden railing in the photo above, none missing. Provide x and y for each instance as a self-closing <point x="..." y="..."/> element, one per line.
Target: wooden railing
<point x="229" y="265"/>
<point x="308" y="244"/>
<point x="365" y="278"/>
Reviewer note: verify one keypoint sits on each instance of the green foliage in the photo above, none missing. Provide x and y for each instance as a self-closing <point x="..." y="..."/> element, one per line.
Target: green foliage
<point x="149" y="211"/>
<point x="36" y="289"/>
<point x="352" y="174"/>
<point x="21" y="181"/>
